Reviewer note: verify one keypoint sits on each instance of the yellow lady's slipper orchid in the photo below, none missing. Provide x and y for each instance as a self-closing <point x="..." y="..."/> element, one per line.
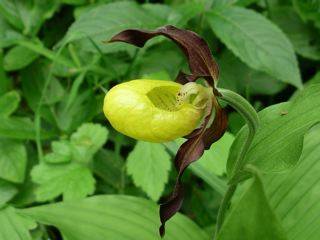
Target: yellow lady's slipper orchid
<point x="160" y="111"/>
<point x="156" y="110"/>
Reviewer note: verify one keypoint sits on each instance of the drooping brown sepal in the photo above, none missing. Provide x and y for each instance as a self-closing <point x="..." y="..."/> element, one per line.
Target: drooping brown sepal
<point x="202" y="65"/>
<point x="195" y="48"/>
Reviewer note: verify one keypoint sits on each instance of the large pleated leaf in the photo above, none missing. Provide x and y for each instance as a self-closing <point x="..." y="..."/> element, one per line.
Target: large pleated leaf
<point x="295" y="195"/>
<point x="278" y="143"/>
<point x="252" y="218"/>
<point x="113" y="217"/>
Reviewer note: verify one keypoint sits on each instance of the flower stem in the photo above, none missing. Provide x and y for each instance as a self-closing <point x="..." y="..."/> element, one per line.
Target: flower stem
<point x="244" y="108"/>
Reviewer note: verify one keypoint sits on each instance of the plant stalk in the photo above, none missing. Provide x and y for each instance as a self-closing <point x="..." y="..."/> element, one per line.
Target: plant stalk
<point x="244" y="108"/>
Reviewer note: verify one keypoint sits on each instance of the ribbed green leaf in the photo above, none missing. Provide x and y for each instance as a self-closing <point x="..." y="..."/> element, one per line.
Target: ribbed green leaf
<point x="278" y="143"/>
<point x="251" y="218"/>
<point x="113" y="217"/>
<point x="295" y="195"/>
<point x="257" y="42"/>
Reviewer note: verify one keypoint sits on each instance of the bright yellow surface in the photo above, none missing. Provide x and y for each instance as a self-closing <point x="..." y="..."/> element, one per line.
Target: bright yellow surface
<point x="145" y="110"/>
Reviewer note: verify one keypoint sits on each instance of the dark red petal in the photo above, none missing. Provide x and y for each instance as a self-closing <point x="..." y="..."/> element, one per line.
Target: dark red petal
<point x="217" y="128"/>
<point x="189" y="152"/>
<point x="196" y="50"/>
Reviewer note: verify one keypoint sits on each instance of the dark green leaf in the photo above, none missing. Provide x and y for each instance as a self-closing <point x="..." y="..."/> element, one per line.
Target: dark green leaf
<point x="308" y="9"/>
<point x="110" y="167"/>
<point x="257" y="42"/>
<point x="103" y="21"/>
<point x="303" y="36"/>
<point x="27" y="15"/>
<point x="33" y="78"/>
<point x="238" y="77"/>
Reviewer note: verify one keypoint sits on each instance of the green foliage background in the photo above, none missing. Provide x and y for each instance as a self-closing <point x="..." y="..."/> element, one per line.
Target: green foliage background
<point x="66" y="174"/>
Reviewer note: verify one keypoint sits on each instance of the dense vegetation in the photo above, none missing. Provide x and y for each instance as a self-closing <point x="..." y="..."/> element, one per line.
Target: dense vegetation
<point x="65" y="173"/>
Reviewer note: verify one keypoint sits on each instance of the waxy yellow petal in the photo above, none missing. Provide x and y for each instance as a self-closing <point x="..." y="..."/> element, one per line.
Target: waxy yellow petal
<point x="146" y="110"/>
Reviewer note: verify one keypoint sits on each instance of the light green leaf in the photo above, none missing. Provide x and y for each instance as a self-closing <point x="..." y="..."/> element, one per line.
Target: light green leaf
<point x="113" y="217"/>
<point x="18" y="57"/>
<point x="73" y="181"/>
<point x="303" y="36"/>
<point x="61" y="152"/>
<point x="282" y="123"/>
<point x="257" y="42"/>
<point x="13" y="160"/>
<point x="295" y="195"/>
<point x="14" y="226"/>
<point x="87" y="140"/>
<point x="149" y="166"/>
<point x="251" y="218"/>
<point x="7" y="191"/>
<point x="9" y="103"/>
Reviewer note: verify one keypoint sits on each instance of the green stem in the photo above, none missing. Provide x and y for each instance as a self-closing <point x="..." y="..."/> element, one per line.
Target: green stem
<point x="224" y="207"/>
<point x="37" y="121"/>
<point x="244" y="108"/>
<point x="268" y="7"/>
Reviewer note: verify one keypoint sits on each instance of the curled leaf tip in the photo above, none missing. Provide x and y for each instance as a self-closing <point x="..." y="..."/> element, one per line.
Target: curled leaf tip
<point x="202" y="65"/>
